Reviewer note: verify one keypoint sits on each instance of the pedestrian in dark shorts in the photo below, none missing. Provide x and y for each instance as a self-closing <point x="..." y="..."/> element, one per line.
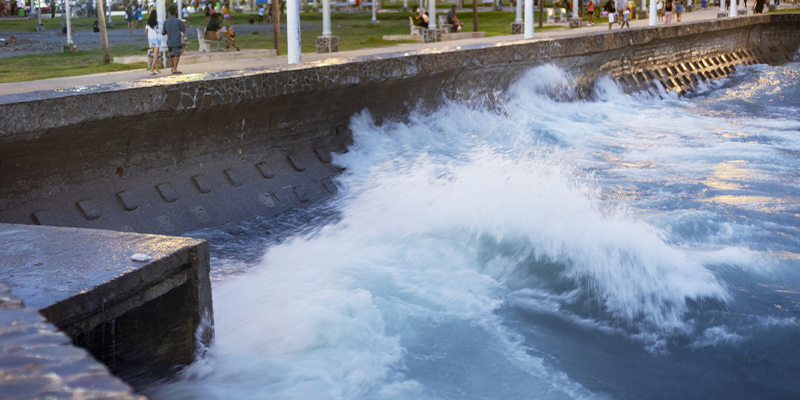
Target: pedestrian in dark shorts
<point x="173" y="28"/>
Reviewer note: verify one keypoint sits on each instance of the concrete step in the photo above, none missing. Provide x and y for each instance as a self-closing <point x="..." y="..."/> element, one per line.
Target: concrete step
<point x="446" y="37"/>
<point x="196" y="57"/>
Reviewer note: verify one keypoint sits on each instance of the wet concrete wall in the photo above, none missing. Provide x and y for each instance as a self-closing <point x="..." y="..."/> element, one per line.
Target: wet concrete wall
<point x="141" y="319"/>
<point x="181" y="153"/>
<point x="39" y="362"/>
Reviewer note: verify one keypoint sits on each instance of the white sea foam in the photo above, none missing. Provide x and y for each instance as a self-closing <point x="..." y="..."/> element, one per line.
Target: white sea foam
<point x="718" y="335"/>
<point x="449" y="218"/>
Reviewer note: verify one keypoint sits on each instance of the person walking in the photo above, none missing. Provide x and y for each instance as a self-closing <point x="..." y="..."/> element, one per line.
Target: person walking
<point x="129" y="17"/>
<point x="667" y="11"/>
<point x="626" y="16"/>
<point x="153" y="39"/>
<point x="137" y="15"/>
<point x="660" y="10"/>
<point x="174" y="28"/>
<point x="610" y="11"/>
<point x="590" y="11"/>
<point x="678" y="9"/>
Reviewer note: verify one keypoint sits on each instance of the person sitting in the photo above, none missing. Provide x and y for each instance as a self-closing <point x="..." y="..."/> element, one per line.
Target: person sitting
<point x="221" y="32"/>
<point x="421" y="18"/>
<point x="453" y="20"/>
<point x="226" y="33"/>
<point x="212" y="27"/>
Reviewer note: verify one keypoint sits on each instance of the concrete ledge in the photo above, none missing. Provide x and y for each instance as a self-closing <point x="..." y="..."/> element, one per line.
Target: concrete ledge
<point x="139" y="318"/>
<point x="415" y="38"/>
<point x="446" y="37"/>
<point x="196" y="57"/>
<point x="39" y="362"/>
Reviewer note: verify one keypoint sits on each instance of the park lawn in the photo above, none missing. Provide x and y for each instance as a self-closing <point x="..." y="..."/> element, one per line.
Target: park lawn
<point x="78" y="24"/>
<point x="353" y="29"/>
<point x="784" y="10"/>
<point x="58" y="65"/>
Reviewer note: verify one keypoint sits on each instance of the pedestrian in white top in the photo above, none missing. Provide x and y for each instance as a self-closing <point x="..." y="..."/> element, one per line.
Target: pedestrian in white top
<point x="153" y="39"/>
<point x="185" y="13"/>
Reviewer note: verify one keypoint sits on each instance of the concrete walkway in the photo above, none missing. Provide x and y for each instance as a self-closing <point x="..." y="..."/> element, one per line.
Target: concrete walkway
<point x="273" y="62"/>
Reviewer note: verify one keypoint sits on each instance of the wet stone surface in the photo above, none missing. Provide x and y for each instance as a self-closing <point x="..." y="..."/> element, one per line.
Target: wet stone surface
<point x="38" y="361"/>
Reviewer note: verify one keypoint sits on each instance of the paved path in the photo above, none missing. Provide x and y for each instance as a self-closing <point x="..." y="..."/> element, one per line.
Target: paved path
<point x="266" y="63"/>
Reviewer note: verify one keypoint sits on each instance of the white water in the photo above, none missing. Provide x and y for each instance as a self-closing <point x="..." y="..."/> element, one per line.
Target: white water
<point x="458" y="230"/>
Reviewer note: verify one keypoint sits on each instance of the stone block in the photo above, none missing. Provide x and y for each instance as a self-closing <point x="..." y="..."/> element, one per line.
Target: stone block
<point x="142" y="319"/>
<point x="432" y="35"/>
<point x="327" y="44"/>
<point x="517" y="28"/>
<point x="722" y="15"/>
<point x="164" y="60"/>
<point x="575" y="23"/>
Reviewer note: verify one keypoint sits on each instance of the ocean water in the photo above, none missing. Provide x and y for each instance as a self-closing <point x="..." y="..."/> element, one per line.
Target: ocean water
<point x="623" y="247"/>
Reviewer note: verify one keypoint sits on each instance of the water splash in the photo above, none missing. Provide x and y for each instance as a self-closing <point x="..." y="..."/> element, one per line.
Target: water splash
<point x="459" y="232"/>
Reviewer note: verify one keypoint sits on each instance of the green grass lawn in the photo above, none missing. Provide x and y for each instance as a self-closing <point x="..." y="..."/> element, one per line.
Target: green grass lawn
<point x="57" y="65"/>
<point x="78" y="24"/>
<point x="353" y="29"/>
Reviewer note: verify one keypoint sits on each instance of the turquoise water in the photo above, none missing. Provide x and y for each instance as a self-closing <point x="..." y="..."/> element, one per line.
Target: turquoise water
<point x="622" y="247"/>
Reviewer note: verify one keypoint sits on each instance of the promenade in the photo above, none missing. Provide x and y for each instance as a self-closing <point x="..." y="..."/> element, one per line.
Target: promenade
<point x="268" y="63"/>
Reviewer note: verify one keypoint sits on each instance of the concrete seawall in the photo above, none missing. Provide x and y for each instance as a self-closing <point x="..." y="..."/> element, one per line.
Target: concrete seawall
<point x="183" y="153"/>
<point x="203" y="150"/>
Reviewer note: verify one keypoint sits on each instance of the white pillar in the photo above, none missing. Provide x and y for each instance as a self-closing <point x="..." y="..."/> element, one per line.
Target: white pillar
<point x="431" y="15"/>
<point x="374" y="8"/>
<point x="722" y="8"/>
<point x="161" y="11"/>
<point x="653" y="20"/>
<point x="39" y="6"/>
<point x="528" y="34"/>
<point x="643" y="6"/>
<point x="161" y="15"/>
<point x="575" y="9"/>
<point x="69" y="25"/>
<point x="326" y="18"/>
<point x="314" y="5"/>
<point x="519" y="11"/>
<point x="405" y="4"/>
<point x="180" y="7"/>
<point x="734" y="9"/>
<point x="108" y="10"/>
<point x="293" y="30"/>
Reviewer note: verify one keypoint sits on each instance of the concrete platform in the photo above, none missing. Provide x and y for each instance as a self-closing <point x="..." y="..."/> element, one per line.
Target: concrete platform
<point x="37" y="361"/>
<point x="446" y="37"/>
<point x="414" y="38"/>
<point x="197" y="57"/>
<point x="139" y="318"/>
